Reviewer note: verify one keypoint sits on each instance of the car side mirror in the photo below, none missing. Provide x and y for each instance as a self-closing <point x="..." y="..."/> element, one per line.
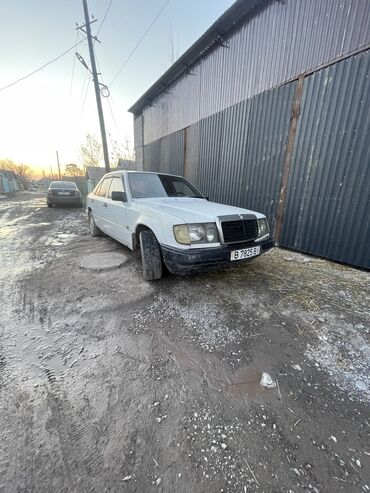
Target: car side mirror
<point x="119" y="196"/>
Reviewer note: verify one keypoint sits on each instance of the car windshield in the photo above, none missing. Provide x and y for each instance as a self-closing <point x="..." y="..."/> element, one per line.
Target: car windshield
<point x="63" y="184"/>
<point x="151" y="185"/>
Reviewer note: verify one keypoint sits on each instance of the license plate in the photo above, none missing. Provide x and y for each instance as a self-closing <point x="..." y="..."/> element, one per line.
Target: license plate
<point x="63" y="193"/>
<point x="245" y="253"/>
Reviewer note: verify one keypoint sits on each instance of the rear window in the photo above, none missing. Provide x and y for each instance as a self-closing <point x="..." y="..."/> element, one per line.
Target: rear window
<point x="63" y="184"/>
<point x="104" y="187"/>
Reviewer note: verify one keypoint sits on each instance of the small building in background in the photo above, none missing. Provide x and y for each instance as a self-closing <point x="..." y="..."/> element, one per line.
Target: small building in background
<point x="269" y="110"/>
<point x="11" y="182"/>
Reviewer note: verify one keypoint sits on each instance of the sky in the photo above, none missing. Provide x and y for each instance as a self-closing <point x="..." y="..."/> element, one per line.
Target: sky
<point x="54" y="109"/>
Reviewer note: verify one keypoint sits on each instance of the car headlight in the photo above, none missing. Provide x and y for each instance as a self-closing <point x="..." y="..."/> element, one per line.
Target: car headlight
<point x="263" y="227"/>
<point x="187" y="234"/>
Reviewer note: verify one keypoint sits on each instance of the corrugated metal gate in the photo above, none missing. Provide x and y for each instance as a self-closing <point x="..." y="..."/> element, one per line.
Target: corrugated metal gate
<point x="239" y="156"/>
<point x="327" y="210"/>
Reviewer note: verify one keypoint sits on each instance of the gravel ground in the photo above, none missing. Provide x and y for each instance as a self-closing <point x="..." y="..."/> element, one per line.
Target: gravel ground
<point x="110" y="383"/>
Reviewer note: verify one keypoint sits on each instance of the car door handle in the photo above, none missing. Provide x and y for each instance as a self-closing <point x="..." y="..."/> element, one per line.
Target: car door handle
<point x="105" y="204"/>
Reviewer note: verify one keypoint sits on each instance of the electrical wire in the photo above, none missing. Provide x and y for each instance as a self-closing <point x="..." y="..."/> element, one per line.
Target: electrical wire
<point x="140" y="41"/>
<point x="42" y="67"/>
<point x="108" y="99"/>
<point x="73" y="70"/>
<point x="84" y="100"/>
<point x="102" y="22"/>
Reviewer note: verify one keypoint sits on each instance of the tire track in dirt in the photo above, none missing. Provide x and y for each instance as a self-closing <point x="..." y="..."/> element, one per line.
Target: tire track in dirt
<point x="75" y="438"/>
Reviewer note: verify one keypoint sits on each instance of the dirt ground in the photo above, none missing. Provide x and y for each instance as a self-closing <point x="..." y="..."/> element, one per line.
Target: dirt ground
<point x="110" y="383"/>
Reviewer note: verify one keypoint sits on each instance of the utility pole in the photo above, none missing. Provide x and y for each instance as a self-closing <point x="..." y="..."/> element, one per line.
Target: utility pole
<point x="96" y="86"/>
<point x="58" y="165"/>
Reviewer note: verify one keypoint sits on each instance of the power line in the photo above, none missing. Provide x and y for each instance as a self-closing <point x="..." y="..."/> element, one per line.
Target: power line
<point x="108" y="101"/>
<point x="43" y="66"/>
<point x="105" y="15"/>
<point x="84" y="100"/>
<point x="140" y="40"/>
<point x="73" y="70"/>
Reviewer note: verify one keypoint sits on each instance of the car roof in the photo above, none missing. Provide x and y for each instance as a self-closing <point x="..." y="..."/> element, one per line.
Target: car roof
<point x="122" y="171"/>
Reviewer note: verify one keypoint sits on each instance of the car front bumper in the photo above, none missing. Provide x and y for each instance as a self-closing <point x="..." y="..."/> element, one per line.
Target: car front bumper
<point x="180" y="261"/>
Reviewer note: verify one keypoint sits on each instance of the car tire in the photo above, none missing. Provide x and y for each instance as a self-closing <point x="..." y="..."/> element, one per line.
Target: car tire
<point x="49" y="204"/>
<point x="94" y="230"/>
<point x="151" y="258"/>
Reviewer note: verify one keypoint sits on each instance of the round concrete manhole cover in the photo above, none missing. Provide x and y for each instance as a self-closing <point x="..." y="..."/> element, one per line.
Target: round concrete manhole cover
<point x="102" y="261"/>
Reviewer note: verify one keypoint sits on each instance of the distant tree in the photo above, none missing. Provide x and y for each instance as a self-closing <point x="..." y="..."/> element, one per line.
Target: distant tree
<point x="73" y="170"/>
<point x="91" y="152"/>
<point x="22" y="170"/>
<point x="6" y="164"/>
<point x="123" y="151"/>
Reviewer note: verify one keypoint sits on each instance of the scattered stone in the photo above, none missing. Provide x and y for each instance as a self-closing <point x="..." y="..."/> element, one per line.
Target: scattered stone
<point x="267" y="381"/>
<point x="224" y="446"/>
<point x="361" y="385"/>
<point x="358" y="462"/>
<point x="296" y="367"/>
<point x="158" y="481"/>
<point x="158" y="419"/>
<point x="334" y="439"/>
<point x="126" y="478"/>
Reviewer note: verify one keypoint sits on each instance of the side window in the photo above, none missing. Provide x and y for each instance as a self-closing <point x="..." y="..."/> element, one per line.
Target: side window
<point x="104" y="187"/>
<point x="97" y="188"/>
<point x="115" y="186"/>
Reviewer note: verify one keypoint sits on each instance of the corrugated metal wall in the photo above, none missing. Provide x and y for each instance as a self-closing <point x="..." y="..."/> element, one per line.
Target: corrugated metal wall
<point x="166" y="155"/>
<point x="172" y="153"/>
<point x="236" y="156"/>
<point x="283" y="41"/>
<point x="327" y="210"/>
<point x="138" y="133"/>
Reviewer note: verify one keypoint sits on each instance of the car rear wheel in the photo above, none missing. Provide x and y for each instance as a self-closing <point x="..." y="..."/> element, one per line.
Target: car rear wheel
<point x="94" y="230"/>
<point x="49" y="204"/>
<point x="151" y="258"/>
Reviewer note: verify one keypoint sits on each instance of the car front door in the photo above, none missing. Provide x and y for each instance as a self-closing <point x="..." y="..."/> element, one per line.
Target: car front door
<point x="116" y="212"/>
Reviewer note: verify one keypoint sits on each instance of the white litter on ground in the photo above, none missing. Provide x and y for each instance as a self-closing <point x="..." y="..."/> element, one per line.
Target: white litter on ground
<point x="267" y="381"/>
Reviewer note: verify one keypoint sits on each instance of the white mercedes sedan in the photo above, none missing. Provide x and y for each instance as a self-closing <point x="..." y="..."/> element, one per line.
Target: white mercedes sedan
<point x="173" y="224"/>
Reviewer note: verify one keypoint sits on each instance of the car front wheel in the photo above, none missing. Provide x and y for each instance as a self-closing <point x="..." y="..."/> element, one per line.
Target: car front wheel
<point x="94" y="230"/>
<point x="151" y="258"/>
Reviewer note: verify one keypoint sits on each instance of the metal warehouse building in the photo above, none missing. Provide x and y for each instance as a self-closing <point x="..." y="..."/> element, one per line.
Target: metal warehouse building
<point x="269" y="110"/>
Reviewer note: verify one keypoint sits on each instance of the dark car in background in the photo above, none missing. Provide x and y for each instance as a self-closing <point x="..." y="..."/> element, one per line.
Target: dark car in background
<point x="63" y="193"/>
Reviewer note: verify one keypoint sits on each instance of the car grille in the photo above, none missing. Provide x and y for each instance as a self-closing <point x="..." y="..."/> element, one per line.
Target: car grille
<point x="240" y="230"/>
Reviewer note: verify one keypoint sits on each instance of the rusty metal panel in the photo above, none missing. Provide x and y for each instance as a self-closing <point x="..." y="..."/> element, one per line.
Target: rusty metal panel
<point x="278" y="43"/>
<point x="191" y="151"/>
<point x="327" y="211"/>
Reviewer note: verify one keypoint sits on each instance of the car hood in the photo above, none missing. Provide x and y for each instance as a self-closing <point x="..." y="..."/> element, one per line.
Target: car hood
<point x="192" y="210"/>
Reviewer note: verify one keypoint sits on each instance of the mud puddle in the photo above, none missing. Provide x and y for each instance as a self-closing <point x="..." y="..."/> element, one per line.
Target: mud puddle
<point x="240" y="384"/>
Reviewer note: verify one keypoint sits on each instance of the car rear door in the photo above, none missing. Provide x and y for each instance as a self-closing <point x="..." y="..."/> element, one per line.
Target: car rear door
<point x="100" y="206"/>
